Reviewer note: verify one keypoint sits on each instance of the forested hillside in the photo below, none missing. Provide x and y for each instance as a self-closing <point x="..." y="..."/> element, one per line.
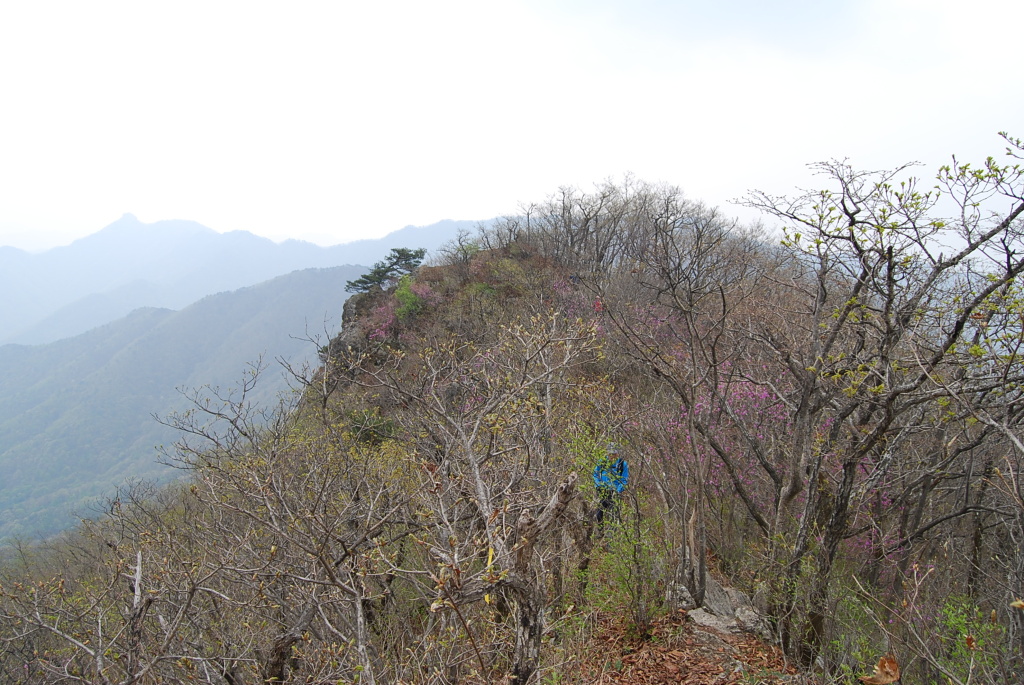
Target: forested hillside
<point x="77" y="416"/>
<point x="828" y="420"/>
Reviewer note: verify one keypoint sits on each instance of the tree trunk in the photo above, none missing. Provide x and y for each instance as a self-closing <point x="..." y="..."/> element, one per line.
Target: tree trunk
<point x="280" y="653"/>
<point x="363" y="639"/>
<point x="529" y="629"/>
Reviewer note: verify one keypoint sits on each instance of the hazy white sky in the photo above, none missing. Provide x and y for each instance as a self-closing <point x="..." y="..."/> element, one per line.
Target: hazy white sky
<point x="333" y="121"/>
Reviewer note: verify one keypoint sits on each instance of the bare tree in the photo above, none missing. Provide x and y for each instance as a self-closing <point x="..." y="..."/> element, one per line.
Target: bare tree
<point x="480" y="414"/>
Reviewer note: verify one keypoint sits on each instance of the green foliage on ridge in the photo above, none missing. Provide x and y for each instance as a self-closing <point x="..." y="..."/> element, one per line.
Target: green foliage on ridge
<point x="401" y="261"/>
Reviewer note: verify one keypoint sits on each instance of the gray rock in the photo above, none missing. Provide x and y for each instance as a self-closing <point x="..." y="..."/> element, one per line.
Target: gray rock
<point x="717" y="600"/>
<point x="706" y="619"/>
<point x="751" y="621"/>
<point x="678" y="597"/>
<point x="724" y="609"/>
<point x="738" y="598"/>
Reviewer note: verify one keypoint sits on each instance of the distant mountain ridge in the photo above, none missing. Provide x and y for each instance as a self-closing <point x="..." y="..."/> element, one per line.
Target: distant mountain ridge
<point x="130" y="264"/>
<point x="76" y="415"/>
<point x="96" y="344"/>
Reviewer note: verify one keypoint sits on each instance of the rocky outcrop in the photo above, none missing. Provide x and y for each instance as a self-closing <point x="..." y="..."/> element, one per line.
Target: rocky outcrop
<point x="725" y="609"/>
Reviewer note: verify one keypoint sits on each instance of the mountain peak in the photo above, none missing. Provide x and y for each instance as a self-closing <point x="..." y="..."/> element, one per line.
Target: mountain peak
<point x="130" y="226"/>
<point x="128" y="221"/>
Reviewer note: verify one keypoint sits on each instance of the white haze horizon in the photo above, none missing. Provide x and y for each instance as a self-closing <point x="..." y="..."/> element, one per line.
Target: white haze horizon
<point x="31" y="245"/>
<point x="331" y="122"/>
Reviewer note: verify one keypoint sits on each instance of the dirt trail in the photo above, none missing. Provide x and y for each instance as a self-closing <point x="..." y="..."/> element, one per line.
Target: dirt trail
<point x="679" y="651"/>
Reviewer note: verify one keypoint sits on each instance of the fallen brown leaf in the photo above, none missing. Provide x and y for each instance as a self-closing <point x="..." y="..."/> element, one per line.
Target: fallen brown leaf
<point x="886" y="671"/>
